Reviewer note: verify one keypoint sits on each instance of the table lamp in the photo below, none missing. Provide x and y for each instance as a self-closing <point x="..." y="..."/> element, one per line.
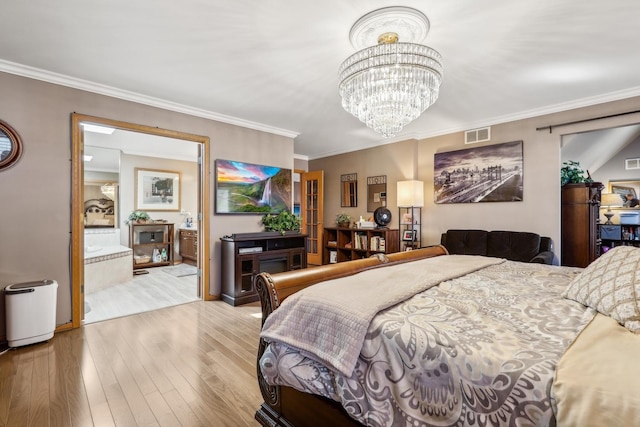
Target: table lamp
<point x="608" y="200"/>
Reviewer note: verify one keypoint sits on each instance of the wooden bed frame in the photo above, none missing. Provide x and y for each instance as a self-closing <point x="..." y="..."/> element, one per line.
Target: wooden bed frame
<point x="285" y="406"/>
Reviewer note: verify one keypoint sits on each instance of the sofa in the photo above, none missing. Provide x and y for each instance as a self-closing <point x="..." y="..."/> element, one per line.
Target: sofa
<point x="512" y="245"/>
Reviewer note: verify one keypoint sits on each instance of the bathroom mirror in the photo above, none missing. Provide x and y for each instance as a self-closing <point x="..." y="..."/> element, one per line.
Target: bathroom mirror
<point x="376" y="192"/>
<point x="10" y="146"/>
<point x="349" y="190"/>
<point x="100" y="204"/>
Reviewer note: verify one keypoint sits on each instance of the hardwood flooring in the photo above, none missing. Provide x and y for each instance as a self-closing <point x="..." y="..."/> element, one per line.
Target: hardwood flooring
<point x="145" y="292"/>
<point x="189" y="365"/>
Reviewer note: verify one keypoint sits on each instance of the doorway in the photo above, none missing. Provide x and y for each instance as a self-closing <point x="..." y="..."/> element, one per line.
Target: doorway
<point x="159" y="143"/>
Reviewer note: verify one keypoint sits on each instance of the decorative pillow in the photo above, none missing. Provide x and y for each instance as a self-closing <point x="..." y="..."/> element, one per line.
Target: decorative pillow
<point x="611" y="285"/>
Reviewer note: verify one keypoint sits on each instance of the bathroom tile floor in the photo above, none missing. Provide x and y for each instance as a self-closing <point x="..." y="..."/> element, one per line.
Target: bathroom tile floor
<point x="143" y="292"/>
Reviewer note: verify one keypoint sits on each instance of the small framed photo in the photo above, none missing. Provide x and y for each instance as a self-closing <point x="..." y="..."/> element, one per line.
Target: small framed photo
<point x="407" y="218"/>
<point x="408" y="235"/>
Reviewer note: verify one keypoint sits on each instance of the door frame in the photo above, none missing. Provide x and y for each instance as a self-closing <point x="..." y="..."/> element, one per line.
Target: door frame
<point x="77" y="203"/>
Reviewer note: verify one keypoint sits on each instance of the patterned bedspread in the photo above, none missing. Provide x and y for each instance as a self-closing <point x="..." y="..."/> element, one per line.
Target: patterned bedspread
<point x="478" y="350"/>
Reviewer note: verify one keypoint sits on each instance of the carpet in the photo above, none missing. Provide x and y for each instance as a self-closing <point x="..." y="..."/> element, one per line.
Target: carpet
<point x="181" y="270"/>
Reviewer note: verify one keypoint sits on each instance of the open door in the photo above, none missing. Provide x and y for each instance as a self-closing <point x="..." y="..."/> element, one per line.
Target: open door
<point x="312" y="212"/>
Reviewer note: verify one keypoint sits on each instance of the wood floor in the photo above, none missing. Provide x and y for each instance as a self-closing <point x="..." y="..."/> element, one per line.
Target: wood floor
<point x="188" y="365"/>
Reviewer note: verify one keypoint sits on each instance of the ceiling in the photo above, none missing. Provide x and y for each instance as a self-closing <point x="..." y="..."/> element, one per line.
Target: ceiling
<point x="594" y="149"/>
<point x="272" y="65"/>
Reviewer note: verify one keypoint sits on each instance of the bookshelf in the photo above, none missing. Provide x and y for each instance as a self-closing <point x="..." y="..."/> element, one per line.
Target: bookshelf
<point x="410" y="227"/>
<point x="618" y="235"/>
<point x="345" y="244"/>
<point x="147" y="240"/>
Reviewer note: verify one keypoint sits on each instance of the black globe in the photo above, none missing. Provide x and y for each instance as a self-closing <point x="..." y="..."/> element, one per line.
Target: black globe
<point x="382" y="217"/>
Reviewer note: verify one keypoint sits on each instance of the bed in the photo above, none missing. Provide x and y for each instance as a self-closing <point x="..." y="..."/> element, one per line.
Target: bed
<point x="456" y="340"/>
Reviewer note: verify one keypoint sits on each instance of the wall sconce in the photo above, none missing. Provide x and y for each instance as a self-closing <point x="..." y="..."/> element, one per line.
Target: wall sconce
<point x="410" y="194"/>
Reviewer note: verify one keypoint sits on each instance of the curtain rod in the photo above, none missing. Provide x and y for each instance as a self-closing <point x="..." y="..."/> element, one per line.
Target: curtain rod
<point x="550" y="127"/>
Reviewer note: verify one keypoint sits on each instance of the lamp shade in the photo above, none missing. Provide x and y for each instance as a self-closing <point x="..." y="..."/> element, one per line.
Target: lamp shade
<point x="610" y="199"/>
<point x="410" y="193"/>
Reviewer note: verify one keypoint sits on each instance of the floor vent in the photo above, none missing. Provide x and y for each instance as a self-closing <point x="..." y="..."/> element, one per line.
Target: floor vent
<point x="630" y="164"/>
<point x="477" y="135"/>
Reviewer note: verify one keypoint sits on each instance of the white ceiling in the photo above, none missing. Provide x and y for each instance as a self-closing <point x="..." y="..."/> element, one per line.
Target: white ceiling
<point x="273" y="65"/>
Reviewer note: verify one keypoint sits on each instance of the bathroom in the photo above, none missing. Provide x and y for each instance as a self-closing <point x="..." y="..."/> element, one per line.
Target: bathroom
<point x="106" y="261"/>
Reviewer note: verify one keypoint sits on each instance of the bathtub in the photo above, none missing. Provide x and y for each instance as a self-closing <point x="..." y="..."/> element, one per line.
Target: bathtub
<point x="106" y="266"/>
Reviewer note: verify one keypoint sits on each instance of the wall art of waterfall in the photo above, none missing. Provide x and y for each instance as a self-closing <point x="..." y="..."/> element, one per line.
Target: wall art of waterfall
<point x="249" y="188"/>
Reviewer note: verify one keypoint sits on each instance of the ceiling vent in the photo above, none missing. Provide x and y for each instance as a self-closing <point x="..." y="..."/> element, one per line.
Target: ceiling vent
<point x="477" y="135"/>
<point x="630" y="164"/>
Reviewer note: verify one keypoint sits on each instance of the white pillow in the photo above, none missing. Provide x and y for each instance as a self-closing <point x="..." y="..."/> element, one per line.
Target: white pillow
<point x="611" y="285"/>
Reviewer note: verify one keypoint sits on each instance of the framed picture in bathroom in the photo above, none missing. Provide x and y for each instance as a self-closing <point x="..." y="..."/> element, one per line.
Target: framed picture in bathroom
<point x="157" y="190"/>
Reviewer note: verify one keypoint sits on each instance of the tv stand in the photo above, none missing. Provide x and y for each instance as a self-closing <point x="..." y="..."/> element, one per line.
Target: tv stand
<point x="245" y="255"/>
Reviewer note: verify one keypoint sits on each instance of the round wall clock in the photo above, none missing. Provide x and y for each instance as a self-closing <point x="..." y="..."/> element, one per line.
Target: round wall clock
<point x="10" y="146"/>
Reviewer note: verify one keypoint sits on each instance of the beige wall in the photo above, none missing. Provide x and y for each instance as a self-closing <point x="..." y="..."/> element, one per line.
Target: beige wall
<point x="539" y="211"/>
<point x="35" y="216"/>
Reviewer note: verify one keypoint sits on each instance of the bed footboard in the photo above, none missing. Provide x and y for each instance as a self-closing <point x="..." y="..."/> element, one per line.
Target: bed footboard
<point x="284" y="406"/>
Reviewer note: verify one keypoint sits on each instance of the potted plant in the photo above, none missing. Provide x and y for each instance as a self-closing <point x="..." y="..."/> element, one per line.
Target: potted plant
<point x="572" y="173"/>
<point x="138" y="217"/>
<point x="282" y="222"/>
<point x="343" y="219"/>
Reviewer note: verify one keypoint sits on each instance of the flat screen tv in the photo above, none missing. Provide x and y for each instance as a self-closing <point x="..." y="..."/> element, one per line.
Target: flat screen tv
<point x="247" y="188"/>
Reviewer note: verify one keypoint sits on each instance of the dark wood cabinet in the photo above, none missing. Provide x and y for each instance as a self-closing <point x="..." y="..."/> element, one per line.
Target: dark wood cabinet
<point x="147" y="240"/>
<point x="245" y="255"/>
<point x="188" y="241"/>
<point x="344" y="244"/>
<point x="580" y="210"/>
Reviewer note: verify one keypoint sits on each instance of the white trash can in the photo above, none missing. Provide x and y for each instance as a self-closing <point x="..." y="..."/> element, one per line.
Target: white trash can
<point x="31" y="311"/>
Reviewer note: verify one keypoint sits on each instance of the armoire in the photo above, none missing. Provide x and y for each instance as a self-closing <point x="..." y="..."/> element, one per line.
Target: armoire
<point x="580" y="207"/>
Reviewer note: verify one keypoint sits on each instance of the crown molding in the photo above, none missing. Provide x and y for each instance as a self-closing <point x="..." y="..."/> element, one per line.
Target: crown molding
<point x="550" y="109"/>
<point x="72" y="82"/>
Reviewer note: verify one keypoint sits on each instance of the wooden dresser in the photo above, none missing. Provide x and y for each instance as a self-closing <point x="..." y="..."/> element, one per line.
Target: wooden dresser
<point x="580" y="239"/>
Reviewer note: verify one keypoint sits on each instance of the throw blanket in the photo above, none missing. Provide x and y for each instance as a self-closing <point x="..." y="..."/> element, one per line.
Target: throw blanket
<point x="328" y="321"/>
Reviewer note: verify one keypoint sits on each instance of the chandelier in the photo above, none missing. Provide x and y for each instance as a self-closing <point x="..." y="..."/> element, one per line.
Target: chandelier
<point x="390" y="84"/>
<point x="109" y="190"/>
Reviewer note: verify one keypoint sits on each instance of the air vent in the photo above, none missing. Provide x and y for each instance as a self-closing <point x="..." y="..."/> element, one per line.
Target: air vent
<point x="630" y="164"/>
<point x="477" y="135"/>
